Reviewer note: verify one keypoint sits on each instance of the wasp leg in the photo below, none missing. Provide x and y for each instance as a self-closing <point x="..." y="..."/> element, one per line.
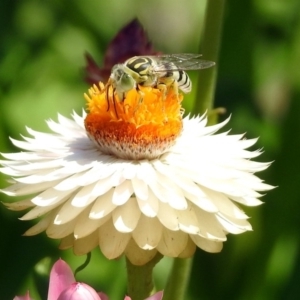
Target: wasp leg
<point x="107" y="96"/>
<point x="142" y="94"/>
<point x="111" y="97"/>
<point x="175" y="88"/>
<point x="163" y="88"/>
<point x="114" y="101"/>
<point x="140" y="100"/>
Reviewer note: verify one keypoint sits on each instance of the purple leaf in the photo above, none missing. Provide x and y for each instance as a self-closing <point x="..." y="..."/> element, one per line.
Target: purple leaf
<point x="131" y="41"/>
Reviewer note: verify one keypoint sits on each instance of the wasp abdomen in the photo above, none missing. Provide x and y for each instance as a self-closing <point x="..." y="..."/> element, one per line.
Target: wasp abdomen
<point x="183" y="80"/>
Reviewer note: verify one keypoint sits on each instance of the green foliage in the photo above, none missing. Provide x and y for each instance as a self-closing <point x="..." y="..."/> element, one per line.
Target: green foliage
<point x="41" y="60"/>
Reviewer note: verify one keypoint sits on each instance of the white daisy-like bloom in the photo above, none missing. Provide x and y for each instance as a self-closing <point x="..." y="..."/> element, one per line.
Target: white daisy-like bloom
<point x="133" y="177"/>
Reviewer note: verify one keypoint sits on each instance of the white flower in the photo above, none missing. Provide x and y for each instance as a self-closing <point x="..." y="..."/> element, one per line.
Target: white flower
<point x="187" y="196"/>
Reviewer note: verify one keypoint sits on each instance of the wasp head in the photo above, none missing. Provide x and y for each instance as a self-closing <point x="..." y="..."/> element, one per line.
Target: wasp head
<point x="121" y="80"/>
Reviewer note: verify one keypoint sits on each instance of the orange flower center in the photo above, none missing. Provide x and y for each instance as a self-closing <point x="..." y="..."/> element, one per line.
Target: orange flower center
<point x="143" y="125"/>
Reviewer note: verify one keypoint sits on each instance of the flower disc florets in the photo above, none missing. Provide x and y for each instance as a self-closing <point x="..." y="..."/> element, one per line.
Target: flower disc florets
<point x="141" y="126"/>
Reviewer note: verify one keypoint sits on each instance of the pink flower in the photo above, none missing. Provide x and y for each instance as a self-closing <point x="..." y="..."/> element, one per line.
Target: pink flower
<point x="62" y="286"/>
<point x="61" y="277"/>
<point x="25" y="297"/>
<point x="157" y="296"/>
<point x="79" y="291"/>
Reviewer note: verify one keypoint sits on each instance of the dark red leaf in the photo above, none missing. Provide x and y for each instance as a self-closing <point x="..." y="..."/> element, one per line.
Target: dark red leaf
<point x="131" y="41"/>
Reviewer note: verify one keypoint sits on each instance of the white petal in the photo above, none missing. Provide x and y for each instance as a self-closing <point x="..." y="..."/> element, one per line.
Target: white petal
<point x="225" y="205"/>
<point x="140" y="188"/>
<point x="97" y="173"/>
<point x="102" y="206"/>
<point x="102" y="187"/>
<point x="126" y="217"/>
<point x="41" y="226"/>
<point x="58" y="128"/>
<point x="201" y="200"/>
<point x="21" y="189"/>
<point x="249" y="201"/>
<point x="26" y="145"/>
<point x="209" y="225"/>
<point x="36" y="178"/>
<point x="21" y="157"/>
<point x="86" y="244"/>
<point x="149" y="207"/>
<point x="21" y="171"/>
<point x="122" y="193"/>
<point x="159" y="191"/>
<point x="52" y="197"/>
<point x="67" y="242"/>
<point x="166" y="191"/>
<point x="190" y="190"/>
<point x="168" y="216"/>
<point x="86" y="226"/>
<point x="38" y="211"/>
<point x="20" y="205"/>
<point x="65" y="122"/>
<point x="84" y="196"/>
<point x="129" y="171"/>
<point x="148" y="233"/>
<point x="112" y="242"/>
<point x="118" y="178"/>
<point x="235" y="226"/>
<point x="189" y="249"/>
<point x="146" y="172"/>
<point x="79" y="120"/>
<point x="172" y="192"/>
<point x="187" y="220"/>
<point x="138" y="256"/>
<point x="68" y="183"/>
<point x="67" y="213"/>
<point x="172" y="243"/>
<point x="60" y="231"/>
<point x="207" y="245"/>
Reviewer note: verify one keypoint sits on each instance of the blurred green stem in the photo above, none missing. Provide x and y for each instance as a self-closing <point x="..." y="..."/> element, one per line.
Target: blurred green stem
<point x="180" y="273"/>
<point x="140" y="278"/>
<point x="210" y="41"/>
<point x="178" y="279"/>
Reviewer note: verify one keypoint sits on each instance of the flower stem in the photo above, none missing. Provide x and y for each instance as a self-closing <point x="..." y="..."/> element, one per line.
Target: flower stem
<point x="178" y="279"/>
<point x="211" y="39"/>
<point x="140" y="279"/>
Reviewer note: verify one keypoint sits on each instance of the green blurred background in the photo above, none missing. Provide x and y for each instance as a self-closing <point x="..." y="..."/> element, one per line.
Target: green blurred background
<point x="41" y="62"/>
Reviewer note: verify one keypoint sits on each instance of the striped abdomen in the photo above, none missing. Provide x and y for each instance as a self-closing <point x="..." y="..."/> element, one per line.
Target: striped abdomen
<point x="181" y="77"/>
<point x="183" y="80"/>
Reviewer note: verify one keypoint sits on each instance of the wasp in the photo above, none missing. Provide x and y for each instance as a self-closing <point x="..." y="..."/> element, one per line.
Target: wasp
<point x="156" y="71"/>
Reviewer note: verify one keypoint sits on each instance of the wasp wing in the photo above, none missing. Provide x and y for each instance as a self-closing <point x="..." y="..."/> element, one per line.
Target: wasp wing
<point x="181" y="61"/>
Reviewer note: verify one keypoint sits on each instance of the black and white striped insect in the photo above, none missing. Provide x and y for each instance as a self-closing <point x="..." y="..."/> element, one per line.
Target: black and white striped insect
<point x="156" y="71"/>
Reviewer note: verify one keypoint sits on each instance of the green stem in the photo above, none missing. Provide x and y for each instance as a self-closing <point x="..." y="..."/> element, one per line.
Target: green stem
<point x="211" y="39"/>
<point x="178" y="279"/>
<point x="140" y="279"/>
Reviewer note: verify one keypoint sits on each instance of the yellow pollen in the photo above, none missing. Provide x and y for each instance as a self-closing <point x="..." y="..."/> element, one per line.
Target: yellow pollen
<point x="143" y="125"/>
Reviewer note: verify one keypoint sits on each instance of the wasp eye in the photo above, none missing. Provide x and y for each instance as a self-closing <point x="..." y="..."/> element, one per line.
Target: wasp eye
<point x="126" y="82"/>
<point x="117" y="72"/>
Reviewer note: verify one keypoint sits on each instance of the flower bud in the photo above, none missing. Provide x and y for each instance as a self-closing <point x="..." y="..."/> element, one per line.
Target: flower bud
<point x="79" y="291"/>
